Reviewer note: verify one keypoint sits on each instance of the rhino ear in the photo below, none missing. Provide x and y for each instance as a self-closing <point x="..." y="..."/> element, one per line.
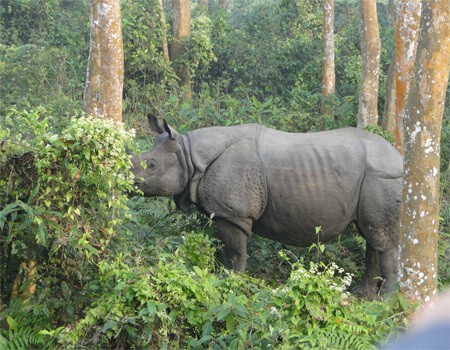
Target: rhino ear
<point x="155" y="124"/>
<point x="172" y="133"/>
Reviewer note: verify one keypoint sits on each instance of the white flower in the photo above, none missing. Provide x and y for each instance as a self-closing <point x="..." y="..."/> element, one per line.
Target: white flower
<point x="274" y="311"/>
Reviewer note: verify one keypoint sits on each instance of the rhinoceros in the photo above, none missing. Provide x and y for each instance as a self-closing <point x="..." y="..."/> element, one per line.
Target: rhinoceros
<point x="283" y="186"/>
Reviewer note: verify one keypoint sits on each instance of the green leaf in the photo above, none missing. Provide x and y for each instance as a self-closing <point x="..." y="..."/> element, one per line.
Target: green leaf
<point x="403" y="303"/>
<point x="65" y="290"/>
<point x="108" y="325"/>
<point x="223" y="313"/>
<point x="315" y="307"/>
<point x="230" y="322"/>
<point x="198" y="270"/>
<point x="41" y="235"/>
<point x="11" y="322"/>
<point x="151" y="308"/>
<point x="207" y="329"/>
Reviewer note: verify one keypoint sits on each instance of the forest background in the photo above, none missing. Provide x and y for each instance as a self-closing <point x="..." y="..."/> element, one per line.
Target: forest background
<point x="84" y="267"/>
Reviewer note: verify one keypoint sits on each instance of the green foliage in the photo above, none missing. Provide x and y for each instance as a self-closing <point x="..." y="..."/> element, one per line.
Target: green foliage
<point x="119" y="273"/>
<point x="198" y="251"/>
<point x="25" y="328"/>
<point x="379" y="131"/>
<point x="62" y="201"/>
<point x="198" y="53"/>
<point x="34" y="75"/>
<point x="175" y="303"/>
<point x="276" y="39"/>
<point x="149" y="78"/>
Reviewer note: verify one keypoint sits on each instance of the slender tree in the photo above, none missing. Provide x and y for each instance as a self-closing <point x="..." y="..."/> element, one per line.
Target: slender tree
<point x="328" y="67"/>
<point x="92" y="86"/>
<point x="181" y="31"/>
<point x="406" y="44"/>
<point x="370" y="48"/>
<point x="104" y="79"/>
<point x="162" y="20"/>
<point x="391" y="13"/>
<point x="112" y="62"/>
<point x="388" y="120"/>
<point x="423" y="122"/>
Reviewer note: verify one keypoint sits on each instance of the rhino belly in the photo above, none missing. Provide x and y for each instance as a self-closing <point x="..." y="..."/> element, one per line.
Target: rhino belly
<point x="296" y="224"/>
<point x="302" y="198"/>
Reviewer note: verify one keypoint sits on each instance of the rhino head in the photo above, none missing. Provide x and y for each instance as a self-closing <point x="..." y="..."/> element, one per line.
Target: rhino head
<point x="162" y="171"/>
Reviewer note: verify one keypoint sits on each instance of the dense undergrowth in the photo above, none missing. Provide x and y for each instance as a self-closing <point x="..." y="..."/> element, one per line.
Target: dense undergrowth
<point x="114" y="272"/>
<point x="83" y="266"/>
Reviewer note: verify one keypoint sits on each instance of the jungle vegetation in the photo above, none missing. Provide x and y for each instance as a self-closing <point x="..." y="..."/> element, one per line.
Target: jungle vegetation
<point x="83" y="266"/>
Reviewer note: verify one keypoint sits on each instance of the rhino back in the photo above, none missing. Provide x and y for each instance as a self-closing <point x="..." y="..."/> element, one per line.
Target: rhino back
<point x="314" y="180"/>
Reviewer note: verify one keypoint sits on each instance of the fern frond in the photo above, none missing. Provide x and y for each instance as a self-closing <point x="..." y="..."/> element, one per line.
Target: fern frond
<point x="338" y="340"/>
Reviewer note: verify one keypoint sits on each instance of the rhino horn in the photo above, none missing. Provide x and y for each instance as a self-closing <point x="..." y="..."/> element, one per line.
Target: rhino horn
<point x="172" y="133"/>
<point x="155" y="124"/>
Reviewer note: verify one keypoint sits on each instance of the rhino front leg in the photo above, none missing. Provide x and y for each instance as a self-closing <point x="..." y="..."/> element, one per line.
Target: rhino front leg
<point x="234" y="242"/>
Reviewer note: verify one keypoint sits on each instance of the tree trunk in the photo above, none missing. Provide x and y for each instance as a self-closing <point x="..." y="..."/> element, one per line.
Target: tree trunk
<point x="15" y="290"/>
<point x="92" y="86"/>
<point x="391" y="13"/>
<point x="388" y="121"/>
<point x="370" y="48"/>
<point x="32" y="275"/>
<point x="406" y="43"/>
<point x="328" y="68"/>
<point x="162" y="20"/>
<point x="112" y="64"/>
<point x="181" y="31"/>
<point x="423" y="122"/>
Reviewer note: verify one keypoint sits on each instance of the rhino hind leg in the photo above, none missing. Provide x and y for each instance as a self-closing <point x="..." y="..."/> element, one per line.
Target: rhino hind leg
<point x="368" y="287"/>
<point x="378" y="223"/>
<point x="234" y="240"/>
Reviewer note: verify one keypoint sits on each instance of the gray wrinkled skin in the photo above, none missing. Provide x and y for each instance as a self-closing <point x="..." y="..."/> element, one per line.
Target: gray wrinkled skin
<point x="282" y="186"/>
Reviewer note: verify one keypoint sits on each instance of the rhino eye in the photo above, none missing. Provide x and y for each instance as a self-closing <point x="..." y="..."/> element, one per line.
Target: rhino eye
<point x="151" y="164"/>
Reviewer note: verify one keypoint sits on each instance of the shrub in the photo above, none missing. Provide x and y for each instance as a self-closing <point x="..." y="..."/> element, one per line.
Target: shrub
<point x="61" y="202"/>
<point x="177" y="303"/>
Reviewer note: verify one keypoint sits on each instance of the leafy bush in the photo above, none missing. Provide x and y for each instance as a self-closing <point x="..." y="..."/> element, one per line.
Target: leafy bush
<point x="34" y="75"/>
<point x="149" y="77"/>
<point x="61" y="202"/>
<point x="175" y="303"/>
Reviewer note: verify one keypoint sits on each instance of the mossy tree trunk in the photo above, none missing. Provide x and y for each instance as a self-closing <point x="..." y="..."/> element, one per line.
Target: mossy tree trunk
<point x="181" y="31"/>
<point x="406" y="37"/>
<point x="104" y="80"/>
<point x="370" y="49"/>
<point x="112" y="62"/>
<point x="423" y="122"/>
<point x="328" y="67"/>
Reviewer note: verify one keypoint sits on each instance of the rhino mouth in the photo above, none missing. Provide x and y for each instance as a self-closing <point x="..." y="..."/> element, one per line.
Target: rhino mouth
<point x="137" y="188"/>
